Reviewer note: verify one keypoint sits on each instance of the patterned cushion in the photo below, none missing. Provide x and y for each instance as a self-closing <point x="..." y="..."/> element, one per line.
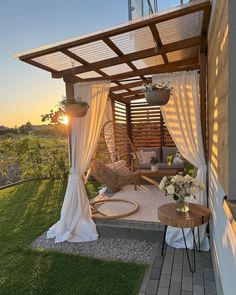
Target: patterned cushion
<point x="178" y="162"/>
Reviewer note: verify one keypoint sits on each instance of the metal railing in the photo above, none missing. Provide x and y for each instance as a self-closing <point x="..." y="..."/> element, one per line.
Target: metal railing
<point x="140" y="8"/>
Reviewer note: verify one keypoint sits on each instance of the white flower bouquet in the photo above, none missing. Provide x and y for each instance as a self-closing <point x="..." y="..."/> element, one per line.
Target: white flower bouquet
<point x="181" y="187"/>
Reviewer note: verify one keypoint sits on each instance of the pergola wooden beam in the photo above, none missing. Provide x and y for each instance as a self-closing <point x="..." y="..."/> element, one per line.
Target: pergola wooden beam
<point x="170" y="67"/>
<point x="205" y="24"/>
<point x="124" y="94"/>
<point x="126" y="88"/>
<point x="113" y="47"/>
<point x="120" y="30"/>
<point x="183" y="44"/>
<point x="128" y="98"/>
<point x="80" y="60"/>
<point x="43" y="67"/>
<point x="129" y="85"/>
<point x="158" y="41"/>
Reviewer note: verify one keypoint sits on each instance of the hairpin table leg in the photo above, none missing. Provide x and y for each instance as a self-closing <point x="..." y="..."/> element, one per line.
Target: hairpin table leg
<point x="164" y="241"/>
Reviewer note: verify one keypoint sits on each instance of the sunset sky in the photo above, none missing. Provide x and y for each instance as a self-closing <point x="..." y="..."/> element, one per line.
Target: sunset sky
<point x="25" y="91"/>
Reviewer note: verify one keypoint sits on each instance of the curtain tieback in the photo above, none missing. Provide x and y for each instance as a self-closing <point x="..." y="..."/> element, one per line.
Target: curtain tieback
<point x="74" y="176"/>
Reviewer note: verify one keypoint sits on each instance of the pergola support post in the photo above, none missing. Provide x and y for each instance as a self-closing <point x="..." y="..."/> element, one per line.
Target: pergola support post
<point x="203" y="110"/>
<point x="162" y="136"/>
<point x="69" y="94"/>
<point x="129" y="126"/>
<point x="203" y="100"/>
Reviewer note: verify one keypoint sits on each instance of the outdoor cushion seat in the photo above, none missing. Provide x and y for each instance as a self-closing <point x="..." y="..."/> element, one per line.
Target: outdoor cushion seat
<point x="167" y="166"/>
<point x="114" y="176"/>
<point x="166" y="151"/>
<point x="120" y="168"/>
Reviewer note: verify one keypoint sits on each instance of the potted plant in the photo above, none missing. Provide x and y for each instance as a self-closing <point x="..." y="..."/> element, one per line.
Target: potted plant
<point x="157" y="94"/>
<point x="66" y="106"/>
<point x="188" y="168"/>
<point x="74" y="108"/>
<point x="180" y="188"/>
<point x="154" y="163"/>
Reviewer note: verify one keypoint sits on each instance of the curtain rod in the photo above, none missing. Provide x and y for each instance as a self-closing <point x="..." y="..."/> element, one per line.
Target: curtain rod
<point x="127" y="80"/>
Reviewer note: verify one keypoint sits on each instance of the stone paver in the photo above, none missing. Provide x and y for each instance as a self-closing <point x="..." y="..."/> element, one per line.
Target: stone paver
<point x="170" y="275"/>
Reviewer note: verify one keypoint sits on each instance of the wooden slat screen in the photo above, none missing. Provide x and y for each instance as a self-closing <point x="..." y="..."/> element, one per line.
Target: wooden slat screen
<point x="121" y="131"/>
<point x="148" y="128"/>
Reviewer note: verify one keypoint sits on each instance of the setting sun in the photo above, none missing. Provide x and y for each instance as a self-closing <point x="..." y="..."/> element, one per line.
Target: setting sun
<point x="65" y="120"/>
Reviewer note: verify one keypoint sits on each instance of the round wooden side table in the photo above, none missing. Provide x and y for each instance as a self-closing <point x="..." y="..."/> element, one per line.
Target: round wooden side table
<point x="196" y="216"/>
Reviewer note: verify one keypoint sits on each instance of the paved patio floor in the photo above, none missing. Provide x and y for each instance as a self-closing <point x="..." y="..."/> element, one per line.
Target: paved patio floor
<point x="170" y="275"/>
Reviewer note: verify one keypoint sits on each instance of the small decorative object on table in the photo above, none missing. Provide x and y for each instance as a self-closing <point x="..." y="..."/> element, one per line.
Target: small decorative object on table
<point x="154" y="163"/>
<point x="75" y="108"/>
<point x="157" y="94"/>
<point x="181" y="187"/>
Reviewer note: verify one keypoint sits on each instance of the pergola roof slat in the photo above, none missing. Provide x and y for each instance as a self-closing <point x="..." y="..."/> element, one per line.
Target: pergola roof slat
<point x="195" y="41"/>
<point x="157" y="38"/>
<point x="170" y="67"/>
<point x="163" y="42"/>
<point x="118" y="52"/>
<point x="190" y="8"/>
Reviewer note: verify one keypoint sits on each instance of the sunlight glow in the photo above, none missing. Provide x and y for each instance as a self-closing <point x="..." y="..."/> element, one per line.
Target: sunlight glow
<point x="65" y="120"/>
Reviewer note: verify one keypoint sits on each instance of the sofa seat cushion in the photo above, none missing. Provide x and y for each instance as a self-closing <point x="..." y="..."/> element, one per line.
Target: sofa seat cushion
<point x="145" y="165"/>
<point x="166" y="166"/>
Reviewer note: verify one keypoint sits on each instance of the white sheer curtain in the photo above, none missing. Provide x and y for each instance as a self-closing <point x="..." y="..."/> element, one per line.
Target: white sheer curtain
<point x="182" y="118"/>
<point x="76" y="224"/>
<point x="108" y="112"/>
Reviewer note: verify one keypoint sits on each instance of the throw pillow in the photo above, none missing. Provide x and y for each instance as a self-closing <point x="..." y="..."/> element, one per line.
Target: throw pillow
<point x="178" y="162"/>
<point x="146" y="157"/>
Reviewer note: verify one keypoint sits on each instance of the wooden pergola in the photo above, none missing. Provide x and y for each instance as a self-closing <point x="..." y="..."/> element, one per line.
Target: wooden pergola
<point x="129" y="54"/>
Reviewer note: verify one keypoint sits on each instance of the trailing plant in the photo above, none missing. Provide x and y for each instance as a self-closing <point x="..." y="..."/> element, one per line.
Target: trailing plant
<point x="56" y="116"/>
<point x="154" y="86"/>
<point x="188" y="167"/>
<point x="154" y="160"/>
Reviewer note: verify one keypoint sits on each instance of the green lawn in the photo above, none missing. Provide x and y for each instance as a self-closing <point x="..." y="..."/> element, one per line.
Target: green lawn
<point x="27" y="210"/>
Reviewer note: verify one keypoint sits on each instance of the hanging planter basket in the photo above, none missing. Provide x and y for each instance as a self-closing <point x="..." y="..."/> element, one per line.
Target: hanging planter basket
<point x="158" y="97"/>
<point x="76" y="110"/>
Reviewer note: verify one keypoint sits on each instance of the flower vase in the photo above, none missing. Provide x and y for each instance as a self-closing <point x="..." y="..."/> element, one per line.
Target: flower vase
<point x="182" y="206"/>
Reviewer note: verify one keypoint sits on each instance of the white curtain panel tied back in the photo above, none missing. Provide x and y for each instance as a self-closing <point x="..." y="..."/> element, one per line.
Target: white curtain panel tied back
<point x="76" y="224"/>
<point x="182" y="118"/>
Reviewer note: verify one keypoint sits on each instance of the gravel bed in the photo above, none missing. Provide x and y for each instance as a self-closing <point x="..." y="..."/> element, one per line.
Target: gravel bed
<point x="103" y="248"/>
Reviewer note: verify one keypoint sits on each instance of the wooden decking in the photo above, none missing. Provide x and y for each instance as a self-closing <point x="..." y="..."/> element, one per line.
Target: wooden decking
<point x="176" y="277"/>
<point x="170" y="275"/>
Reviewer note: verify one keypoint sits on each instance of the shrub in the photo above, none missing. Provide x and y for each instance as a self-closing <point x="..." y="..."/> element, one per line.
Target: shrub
<point x="33" y="157"/>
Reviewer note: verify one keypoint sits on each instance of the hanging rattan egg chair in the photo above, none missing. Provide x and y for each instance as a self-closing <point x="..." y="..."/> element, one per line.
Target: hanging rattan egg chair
<point x="111" y="164"/>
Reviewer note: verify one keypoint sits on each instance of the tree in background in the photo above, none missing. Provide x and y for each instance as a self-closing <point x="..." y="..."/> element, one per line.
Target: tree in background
<point x="26" y="128"/>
